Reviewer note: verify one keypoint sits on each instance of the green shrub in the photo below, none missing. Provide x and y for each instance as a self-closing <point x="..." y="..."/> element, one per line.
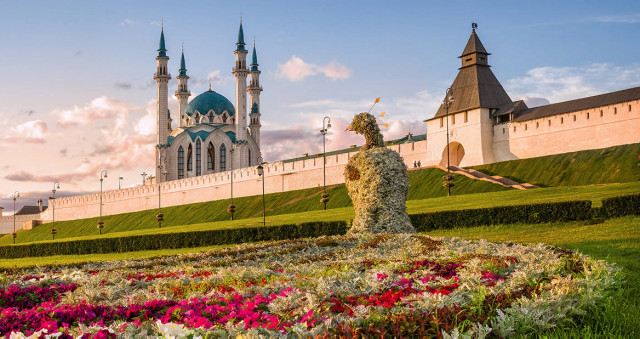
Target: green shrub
<point x="621" y="205"/>
<point x="175" y="240"/>
<point x="534" y="213"/>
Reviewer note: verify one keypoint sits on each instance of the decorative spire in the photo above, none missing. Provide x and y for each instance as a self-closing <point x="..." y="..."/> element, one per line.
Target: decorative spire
<point x="254" y="58"/>
<point x="162" y="51"/>
<point x="183" y="67"/>
<point x="240" y="42"/>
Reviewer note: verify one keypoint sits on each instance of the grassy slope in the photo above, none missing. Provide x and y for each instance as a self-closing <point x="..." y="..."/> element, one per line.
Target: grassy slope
<point x="426" y="183"/>
<point x="607" y="165"/>
<point x="466" y="201"/>
<point x="615" y="240"/>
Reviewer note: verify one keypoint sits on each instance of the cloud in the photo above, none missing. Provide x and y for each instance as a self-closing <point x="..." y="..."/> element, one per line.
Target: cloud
<point x="126" y="22"/>
<point x="30" y="198"/>
<point x="102" y="108"/>
<point x="31" y="131"/>
<point x="123" y="85"/>
<point x="335" y="71"/>
<point x="64" y="152"/>
<point x="215" y="77"/>
<point x="624" y="19"/>
<point x="28" y="112"/>
<point x="296" y="69"/>
<point x="557" y="84"/>
<point x="78" y="53"/>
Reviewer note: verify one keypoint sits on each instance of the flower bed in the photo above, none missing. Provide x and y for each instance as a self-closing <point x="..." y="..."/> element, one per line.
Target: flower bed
<point x="383" y="285"/>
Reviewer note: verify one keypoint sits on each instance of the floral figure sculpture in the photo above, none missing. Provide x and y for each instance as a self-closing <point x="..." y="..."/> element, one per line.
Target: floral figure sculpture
<point x="378" y="182"/>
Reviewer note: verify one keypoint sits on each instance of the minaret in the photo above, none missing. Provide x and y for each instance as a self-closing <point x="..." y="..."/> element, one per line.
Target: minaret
<point x="240" y="72"/>
<point x="254" y="98"/>
<point x="183" y="90"/>
<point x="162" y="78"/>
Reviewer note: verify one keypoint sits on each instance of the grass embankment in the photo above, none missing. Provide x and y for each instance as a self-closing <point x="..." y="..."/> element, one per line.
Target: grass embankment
<point x="616" y="241"/>
<point x="456" y="202"/>
<point x="425" y="183"/>
<point x="601" y="166"/>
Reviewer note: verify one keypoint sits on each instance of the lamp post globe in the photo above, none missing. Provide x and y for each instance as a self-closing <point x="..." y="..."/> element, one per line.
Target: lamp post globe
<point x="448" y="178"/>
<point x="232" y="207"/>
<point x="56" y="186"/>
<point x="16" y="194"/>
<point x="103" y="175"/>
<point x="261" y="174"/>
<point x="326" y="124"/>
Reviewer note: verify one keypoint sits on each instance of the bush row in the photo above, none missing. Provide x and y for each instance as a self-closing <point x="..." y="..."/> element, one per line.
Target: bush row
<point x="621" y="205"/>
<point x="174" y="240"/>
<point x="534" y="213"/>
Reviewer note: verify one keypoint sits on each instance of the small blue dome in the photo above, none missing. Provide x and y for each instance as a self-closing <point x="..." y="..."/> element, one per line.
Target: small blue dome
<point x="210" y="100"/>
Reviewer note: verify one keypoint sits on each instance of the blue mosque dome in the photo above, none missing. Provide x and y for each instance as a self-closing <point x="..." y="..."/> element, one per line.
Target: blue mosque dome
<point x="210" y="100"/>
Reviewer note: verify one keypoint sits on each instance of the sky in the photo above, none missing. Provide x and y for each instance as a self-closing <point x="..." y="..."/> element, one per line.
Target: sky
<point x="77" y="93"/>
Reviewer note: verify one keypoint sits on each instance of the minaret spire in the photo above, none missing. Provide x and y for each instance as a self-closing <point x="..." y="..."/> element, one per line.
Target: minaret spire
<point x="182" y="93"/>
<point x="254" y="90"/>
<point x="241" y="157"/>
<point x="162" y="78"/>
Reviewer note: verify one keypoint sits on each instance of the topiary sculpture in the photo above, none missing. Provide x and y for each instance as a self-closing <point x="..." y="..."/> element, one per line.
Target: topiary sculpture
<point x="378" y="182"/>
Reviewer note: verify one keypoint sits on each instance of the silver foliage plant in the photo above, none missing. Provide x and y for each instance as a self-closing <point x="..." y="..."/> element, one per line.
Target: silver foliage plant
<point x="378" y="182"/>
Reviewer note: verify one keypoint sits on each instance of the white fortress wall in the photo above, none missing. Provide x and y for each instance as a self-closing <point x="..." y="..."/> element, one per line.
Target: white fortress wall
<point x="6" y="222"/>
<point x="568" y="132"/>
<point x="280" y="176"/>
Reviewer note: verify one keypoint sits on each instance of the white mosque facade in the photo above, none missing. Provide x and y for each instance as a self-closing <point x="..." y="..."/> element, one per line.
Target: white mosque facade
<point x="216" y="145"/>
<point x="213" y="134"/>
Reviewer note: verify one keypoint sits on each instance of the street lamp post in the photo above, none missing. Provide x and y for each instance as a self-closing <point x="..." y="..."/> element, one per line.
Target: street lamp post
<point x="56" y="186"/>
<point x="16" y="194"/>
<point x="144" y="176"/>
<point x="161" y="166"/>
<point x="326" y="124"/>
<point x="120" y="182"/>
<point x="448" y="179"/>
<point x="232" y="207"/>
<point x="103" y="175"/>
<point x="261" y="174"/>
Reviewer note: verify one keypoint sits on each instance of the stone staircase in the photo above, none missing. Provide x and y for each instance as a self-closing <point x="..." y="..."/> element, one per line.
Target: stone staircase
<point x="495" y="179"/>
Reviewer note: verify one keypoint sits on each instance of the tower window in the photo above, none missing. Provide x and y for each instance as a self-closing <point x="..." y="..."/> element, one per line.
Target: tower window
<point x="223" y="158"/>
<point x="601" y="113"/>
<point x="514" y="129"/>
<point x="211" y="157"/>
<point x="503" y="130"/>
<point x="587" y="115"/>
<point x="549" y="122"/>
<point x="615" y="110"/>
<point x="562" y="120"/>
<point x="629" y="108"/>
<point x="525" y="127"/>
<point x="537" y="124"/>
<point x="466" y="116"/>
<point x="441" y="122"/>
<point x="574" y="117"/>
<point x="249" y="157"/>
<point x="453" y="119"/>
<point x="180" y="162"/>
<point x="198" y="157"/>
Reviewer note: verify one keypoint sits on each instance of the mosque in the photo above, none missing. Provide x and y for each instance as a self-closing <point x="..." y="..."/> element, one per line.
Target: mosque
<point x="212" y="134"/>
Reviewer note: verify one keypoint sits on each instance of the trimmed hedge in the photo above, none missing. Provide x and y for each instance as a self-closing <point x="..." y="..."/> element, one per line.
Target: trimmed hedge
<point x="621" y="205"/>
<point x="534" y="213"/>
<point x="175" y="240"/>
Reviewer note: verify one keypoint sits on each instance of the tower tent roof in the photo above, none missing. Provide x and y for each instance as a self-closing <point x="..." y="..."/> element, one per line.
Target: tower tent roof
<point x="474" y="45"/>
<point x="475" y="86"/>
<point x="254" y="59"/>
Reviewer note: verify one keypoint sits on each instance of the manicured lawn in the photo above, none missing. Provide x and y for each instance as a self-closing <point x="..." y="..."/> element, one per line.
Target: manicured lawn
<point x="615" y="240"/>
<point x="467" y="201"/>
<point x="607" y="165"/>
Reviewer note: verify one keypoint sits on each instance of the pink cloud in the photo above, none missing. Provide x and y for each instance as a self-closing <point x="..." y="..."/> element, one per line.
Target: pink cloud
<point x="296" y="69"/>
<point x="31" y="131"/>
<point x="102" y="108"/>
